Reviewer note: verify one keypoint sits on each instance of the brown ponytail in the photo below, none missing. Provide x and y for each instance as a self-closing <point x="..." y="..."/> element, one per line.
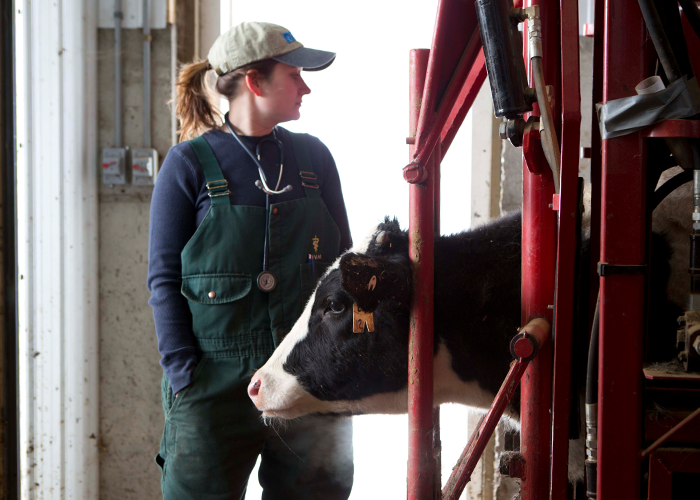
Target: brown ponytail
<point x="194" y="97"/>
<point x="194" y="106"/>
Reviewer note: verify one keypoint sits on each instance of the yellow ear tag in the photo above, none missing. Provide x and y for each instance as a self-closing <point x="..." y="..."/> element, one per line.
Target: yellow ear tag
<point x="360" y="319"/>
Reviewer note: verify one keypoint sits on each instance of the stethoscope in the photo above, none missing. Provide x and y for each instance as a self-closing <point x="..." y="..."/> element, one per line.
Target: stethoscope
<point x="267" y="281"/>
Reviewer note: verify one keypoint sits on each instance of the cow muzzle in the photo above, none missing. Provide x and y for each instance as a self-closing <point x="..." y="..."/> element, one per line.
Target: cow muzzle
<point x="277" y="396"/>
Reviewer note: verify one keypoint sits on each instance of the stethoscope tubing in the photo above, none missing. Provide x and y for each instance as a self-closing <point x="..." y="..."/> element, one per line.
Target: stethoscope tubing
<point x="263" y="178"/>
<point x="262" y="184"/>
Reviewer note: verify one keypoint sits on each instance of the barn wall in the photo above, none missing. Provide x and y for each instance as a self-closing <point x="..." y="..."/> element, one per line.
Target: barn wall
<point x="131" y="416"/>
<point x="486" y="159"/>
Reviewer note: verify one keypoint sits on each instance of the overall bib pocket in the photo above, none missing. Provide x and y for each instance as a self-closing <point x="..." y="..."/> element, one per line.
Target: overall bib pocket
<point x="220" y="303"/>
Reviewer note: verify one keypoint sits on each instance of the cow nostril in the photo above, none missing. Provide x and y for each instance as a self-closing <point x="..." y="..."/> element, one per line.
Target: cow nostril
<point x="254" y="388"/>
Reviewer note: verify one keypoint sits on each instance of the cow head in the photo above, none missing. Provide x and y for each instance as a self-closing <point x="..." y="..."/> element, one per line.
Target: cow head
<point x="331" y="362"/>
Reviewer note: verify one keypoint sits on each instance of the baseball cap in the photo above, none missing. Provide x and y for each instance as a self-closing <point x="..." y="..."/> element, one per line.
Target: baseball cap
<point x="250" y="42"/>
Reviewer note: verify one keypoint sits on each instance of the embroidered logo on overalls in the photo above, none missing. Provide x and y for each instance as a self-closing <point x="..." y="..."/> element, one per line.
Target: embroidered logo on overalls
<point x="315" y="241"/>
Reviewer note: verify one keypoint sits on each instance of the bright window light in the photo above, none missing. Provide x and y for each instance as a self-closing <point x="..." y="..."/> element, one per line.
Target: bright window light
<point x="359" y="109"/>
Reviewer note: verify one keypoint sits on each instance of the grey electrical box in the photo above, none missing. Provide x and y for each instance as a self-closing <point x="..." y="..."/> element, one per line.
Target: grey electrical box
<point x="144" y="164"/>
<point x="114" y="166"/>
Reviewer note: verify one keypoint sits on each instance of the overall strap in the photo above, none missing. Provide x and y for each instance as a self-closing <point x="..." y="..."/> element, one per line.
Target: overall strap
<point x="300" y="145"/>
<point x="217" y="186"/>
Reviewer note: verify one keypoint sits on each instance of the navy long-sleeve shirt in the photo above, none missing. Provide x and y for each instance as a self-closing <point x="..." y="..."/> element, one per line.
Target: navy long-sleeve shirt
<point x="179" y="204"/>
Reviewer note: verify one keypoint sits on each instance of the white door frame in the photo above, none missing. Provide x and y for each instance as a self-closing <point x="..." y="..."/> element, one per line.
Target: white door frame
<point x="57" y="205"/>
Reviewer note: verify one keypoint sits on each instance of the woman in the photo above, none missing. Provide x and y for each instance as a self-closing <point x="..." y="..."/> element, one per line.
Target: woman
<point x="231" y="267"/>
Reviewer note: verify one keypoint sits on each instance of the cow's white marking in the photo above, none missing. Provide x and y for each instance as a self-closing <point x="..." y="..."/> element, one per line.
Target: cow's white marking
<point x="283" y="397"/>
<point x="280" y="390"/>
<point x="449" y="388"/>
<point x="363" y="246"/>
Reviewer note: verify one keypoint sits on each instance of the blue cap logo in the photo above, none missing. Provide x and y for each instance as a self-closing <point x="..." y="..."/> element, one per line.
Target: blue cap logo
<point x="288" y="36"/>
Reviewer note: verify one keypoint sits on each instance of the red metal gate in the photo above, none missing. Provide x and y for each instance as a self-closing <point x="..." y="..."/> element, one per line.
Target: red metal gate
<point x="444" y="82"/>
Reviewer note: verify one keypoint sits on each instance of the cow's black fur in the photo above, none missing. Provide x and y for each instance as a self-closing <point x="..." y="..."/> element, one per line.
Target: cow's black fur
<point x="334" y="363"/>
<point x="477" y="312"/>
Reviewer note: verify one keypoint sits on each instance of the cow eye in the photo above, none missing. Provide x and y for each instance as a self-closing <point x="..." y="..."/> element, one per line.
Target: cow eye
<point x="335" y="307"/>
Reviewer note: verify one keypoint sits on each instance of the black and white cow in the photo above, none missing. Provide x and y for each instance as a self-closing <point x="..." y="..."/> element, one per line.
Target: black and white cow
<point x="322" y="366"/>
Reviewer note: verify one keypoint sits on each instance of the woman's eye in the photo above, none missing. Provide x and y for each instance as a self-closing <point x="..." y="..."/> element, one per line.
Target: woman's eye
<point x="335" y="307"/>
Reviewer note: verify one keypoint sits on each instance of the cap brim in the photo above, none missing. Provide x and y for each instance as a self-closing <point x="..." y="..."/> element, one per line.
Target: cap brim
<point x="307" y="59"/>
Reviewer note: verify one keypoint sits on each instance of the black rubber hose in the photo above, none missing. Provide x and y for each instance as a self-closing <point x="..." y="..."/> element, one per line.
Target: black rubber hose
<point x="691" y="13"/>
<point x="670" y="185"/>
<point x="592" y="368"/>
<point x="673" y="27"/>
<point x="658" y="36"/>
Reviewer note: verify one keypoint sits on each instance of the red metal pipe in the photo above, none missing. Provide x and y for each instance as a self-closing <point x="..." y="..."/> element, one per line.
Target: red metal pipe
<point x="464" y="102"/>
<point x="454" y="48"/>
<point x="671" y="433"/>
<point x="538" y="331"/>
<point x="624" y="237"/>
<point x="660" y="480"/>
<point x="674" y="128"/>
<point x="467" y="462"/>
<point x="538" y="264"/>
<point x="437" y="157"/>
<point x="421" y="236"/>
<point x="567" y="247"/>
<point x="596" y="159"/>
<point x="430" y="123"/>
<point x="462" y="472"/>
<point x="437" y="444"/>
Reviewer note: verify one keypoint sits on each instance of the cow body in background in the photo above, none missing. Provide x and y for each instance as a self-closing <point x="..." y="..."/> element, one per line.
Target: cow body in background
<point x="322" y="366"/>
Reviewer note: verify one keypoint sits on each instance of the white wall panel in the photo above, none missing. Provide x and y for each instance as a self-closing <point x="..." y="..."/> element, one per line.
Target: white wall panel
<point x="57" y="208"/>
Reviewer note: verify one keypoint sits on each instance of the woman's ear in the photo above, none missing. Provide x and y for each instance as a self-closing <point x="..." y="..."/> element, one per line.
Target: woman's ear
<point x="252" y="81"/>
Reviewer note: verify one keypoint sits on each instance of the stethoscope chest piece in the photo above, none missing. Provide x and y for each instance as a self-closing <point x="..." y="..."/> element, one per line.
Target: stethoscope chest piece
<point x="266" y="281"/>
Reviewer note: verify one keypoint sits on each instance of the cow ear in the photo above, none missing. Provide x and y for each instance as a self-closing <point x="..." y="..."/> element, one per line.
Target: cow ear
<point x="371" y="280"/>
<point x="388" y="239"/>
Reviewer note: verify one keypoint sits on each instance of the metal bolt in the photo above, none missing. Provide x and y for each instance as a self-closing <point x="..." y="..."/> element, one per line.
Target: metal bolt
<point x="503" y="130"/>
<point x="523" y="348"/>
<point x="414" y="173"/>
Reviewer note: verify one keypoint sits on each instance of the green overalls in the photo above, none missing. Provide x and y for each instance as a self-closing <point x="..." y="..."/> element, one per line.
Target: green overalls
<point x="213" y="433"/>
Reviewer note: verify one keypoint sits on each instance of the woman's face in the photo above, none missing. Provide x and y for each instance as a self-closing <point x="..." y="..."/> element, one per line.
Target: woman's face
<point x="282" y="92"/>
